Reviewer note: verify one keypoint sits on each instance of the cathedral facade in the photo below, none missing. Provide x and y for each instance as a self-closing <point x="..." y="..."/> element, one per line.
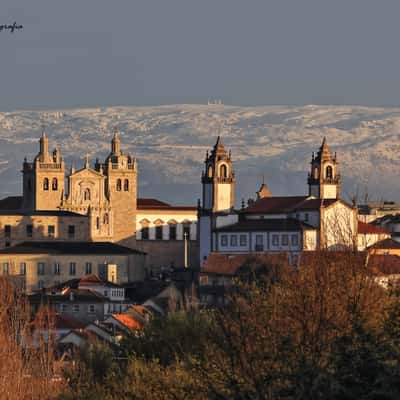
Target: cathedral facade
<point x="98" y="204"/>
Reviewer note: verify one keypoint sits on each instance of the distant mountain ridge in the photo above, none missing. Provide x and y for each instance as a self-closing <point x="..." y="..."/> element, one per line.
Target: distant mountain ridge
<point x="170" y="144"/>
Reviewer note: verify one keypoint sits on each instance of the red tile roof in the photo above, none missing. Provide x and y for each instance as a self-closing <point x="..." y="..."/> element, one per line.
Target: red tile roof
<point x="384" y="264"/>
<point x="154" y="204"/>
<point x="388" y="244"/>
<point x="272" y="205"/>
<point x="128" y="321"/>
<point x="365" y="228"/>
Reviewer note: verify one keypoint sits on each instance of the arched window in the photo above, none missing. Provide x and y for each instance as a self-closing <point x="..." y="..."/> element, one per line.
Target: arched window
<point x="46" y="184"/>
<point x="329" y="172"/>
<point x="223" y="171"/>
<point x="119" y="185"/>
<point x="97" y="223"/>
<point x="105" y="219"/>
<point x="126" y="185"/>
<point x="86" y="194"/>
<point x="209" y="172"/>
<point x="315" y="172"/>
<point x="54" y="184"/>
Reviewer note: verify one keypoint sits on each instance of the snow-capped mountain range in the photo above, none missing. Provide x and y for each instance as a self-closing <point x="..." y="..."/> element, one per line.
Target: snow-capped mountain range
<point x="170" y="143"/>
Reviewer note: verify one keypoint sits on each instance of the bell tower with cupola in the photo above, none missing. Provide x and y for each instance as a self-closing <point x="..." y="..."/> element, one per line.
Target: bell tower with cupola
<point x="324" y="178"/>
<point x="218" y="180"/>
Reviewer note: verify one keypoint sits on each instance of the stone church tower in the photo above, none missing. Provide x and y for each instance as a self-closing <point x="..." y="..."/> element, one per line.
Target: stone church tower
<point x="43" y="180"/>
<point x="324" y="178"/>
<point x="218" y="180"/>
<point x="121" y="190"/>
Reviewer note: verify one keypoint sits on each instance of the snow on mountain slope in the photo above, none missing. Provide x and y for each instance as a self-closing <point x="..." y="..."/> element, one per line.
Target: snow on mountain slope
<point x="170" y="144"/>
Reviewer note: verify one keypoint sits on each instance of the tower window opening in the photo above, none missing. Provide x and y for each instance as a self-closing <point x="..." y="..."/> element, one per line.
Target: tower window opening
<point x="210" y="172"/>
<point x="315" y="172"/>
<point x="30" y="185"/>
<point x="105" y="219"/>
<point x="46" y="184"/>
<point x="97" y="223"/>
<point x="119" y="185"/>
<point x="223" y="171"/>
<point x="86" y="194"/>
<point x="126" y="185"/>
<point x="329" y="172"/>
<point x="54" y="184"/>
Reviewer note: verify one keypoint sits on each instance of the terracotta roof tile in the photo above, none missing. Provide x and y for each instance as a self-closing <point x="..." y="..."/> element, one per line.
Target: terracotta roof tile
<point x="364" y="228"/>
<point x="128" y="321"/>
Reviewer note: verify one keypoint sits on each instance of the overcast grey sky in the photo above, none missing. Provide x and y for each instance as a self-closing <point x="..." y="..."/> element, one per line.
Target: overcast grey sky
<point x="85" y="53"/>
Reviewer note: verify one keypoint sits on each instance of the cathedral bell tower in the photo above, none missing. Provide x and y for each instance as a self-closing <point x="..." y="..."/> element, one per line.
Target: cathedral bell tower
<point x="218" y="180"/>
<point x="43" y="180"/>
<point x="121" y="190"/>
<point x="324" y="179"/>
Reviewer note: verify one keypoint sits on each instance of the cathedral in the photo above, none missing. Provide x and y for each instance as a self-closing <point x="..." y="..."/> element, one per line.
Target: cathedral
<point x="96" y="204"/>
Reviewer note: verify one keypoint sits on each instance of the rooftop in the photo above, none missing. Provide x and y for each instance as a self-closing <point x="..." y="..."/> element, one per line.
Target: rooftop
<point x="61" y="247"/>
<point x="281" y="224"/>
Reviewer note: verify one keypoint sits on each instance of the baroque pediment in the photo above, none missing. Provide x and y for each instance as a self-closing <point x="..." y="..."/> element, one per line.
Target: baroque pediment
<point x="87" y="173"/>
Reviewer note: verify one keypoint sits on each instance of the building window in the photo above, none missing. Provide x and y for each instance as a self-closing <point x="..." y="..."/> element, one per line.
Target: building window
<point x="224" y="240"/>
<point x="57" y="269"/>
<point x="75" y="308"/>
<point x="295" y="240"/>
<point x="71" y="231"/>
<point x="285" y="240"/>
<point x="210" y="172"/>
<point x="315" y="172"/>
<point x="233" y="240"/>
<point x="97" y="223"/>
<point x="119" y="185"/>
<point x="259" y="243"/>
<point x="145" y="233"/>
<point x="22" y="268"/>
<point x="54" y="184"/>
<point x="40" y="268"/>
<point x="126" y="185"/>
<point x="88" y="268"/>
<point x="158" y="232"/>
<point x="86" y="194"/>
<point x="29" y="231"/>
<point x="105" y="219"/>
<point x="5" y="268"/>
<point x="172" y="232"/>
<point x="329" y="172"/>
<point x="63" y="308"/>
<point x="91" y="309"/>
<point x="46" y="184"/>
<point x="51" y="231"/>
<point x="275" y="240"/>
<point x="306" y="217"/>
<point x="72" y="268"/>
<point x="7" y="231"/>
<point x="243" y="240"/>
<point x="40" y="284"/>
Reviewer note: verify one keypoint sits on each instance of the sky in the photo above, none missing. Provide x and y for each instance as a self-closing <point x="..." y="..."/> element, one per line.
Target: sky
<point x="91" y="53"/>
